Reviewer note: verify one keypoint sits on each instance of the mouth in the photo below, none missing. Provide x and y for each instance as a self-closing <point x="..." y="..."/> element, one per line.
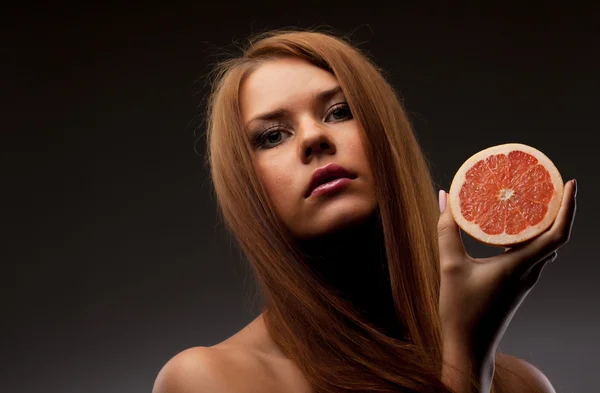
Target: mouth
<point x="328" y="177"/>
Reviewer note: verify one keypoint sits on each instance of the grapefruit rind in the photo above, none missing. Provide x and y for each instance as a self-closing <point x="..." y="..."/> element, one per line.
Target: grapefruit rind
<point x="505" y="239"/>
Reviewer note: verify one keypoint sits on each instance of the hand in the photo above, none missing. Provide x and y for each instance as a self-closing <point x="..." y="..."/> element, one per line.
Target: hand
<point x="479" y="296"/>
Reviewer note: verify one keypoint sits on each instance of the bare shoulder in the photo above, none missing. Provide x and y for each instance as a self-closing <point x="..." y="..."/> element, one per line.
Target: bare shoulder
<point x="209" y="369"/>
<point x="198" y="369"/>
<point x="518" y="375"/>
<point x="247" y="362"/>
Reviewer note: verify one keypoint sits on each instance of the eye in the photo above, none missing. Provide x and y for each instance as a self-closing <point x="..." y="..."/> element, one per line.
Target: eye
<point x="340" y="111"/>
<point x="271" y="137"/>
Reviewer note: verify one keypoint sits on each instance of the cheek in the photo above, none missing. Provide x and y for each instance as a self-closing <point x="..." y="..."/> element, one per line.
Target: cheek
<point x="279" y="183"/>
<point x="356" y="149"/>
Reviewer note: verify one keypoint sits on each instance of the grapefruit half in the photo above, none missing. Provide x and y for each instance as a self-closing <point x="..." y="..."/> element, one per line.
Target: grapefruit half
<point x="506" y="194"/>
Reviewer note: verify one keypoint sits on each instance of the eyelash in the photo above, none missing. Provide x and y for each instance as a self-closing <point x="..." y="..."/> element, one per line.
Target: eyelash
<point x="269" y="129"/>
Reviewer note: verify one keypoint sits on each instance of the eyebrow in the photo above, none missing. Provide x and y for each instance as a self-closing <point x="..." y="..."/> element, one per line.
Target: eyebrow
<point x="321" y="96"/>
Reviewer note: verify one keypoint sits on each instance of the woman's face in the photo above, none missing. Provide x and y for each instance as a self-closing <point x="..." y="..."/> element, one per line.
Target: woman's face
<point x="304" y="132"/>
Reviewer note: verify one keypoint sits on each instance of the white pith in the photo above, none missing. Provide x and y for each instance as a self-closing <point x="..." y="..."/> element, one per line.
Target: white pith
<point x="505" y="239"/>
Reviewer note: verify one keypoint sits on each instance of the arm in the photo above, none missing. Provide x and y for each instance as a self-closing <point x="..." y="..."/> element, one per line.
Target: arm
<point x="479" y="297"/>
<point x="463" y="372"/>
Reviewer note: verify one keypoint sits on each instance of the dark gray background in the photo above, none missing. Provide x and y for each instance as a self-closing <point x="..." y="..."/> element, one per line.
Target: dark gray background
<point x="113" y="260"/>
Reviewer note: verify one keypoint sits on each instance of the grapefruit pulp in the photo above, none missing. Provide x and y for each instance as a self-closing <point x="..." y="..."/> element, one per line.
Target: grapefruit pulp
<point x="506" y="194"/>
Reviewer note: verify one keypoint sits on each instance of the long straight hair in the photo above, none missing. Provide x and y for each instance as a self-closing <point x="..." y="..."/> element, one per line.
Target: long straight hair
<point x="336" y="348"/>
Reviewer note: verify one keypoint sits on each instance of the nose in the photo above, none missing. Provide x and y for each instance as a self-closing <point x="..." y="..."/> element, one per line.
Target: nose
<point x="315" y="141"/>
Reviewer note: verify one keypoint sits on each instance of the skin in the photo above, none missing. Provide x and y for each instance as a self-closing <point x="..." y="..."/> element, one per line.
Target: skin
<point x="250" y="361"/>
<point x="478" y="296"/>
<point x="313" y="134"/>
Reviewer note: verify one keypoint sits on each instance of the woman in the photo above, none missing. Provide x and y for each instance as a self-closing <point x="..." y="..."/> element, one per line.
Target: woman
<point x="366" y="286"/>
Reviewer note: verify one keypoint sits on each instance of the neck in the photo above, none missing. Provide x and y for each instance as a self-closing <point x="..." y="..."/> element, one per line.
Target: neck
<point x="353" y="263"/>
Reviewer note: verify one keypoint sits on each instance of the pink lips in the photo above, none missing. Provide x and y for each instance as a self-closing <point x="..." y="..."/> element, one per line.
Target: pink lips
<point x="329" y="178"/>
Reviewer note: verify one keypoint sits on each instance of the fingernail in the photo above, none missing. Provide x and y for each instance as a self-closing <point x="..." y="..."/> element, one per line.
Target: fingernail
<point x="442" y="200"/>
<point x="575" y="191"/>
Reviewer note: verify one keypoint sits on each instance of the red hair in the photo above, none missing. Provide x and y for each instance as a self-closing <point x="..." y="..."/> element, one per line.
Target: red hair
<point x="337" y="349"/>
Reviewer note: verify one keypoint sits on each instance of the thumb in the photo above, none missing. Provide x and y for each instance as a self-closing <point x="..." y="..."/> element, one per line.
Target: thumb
<point x="449" y="238"/>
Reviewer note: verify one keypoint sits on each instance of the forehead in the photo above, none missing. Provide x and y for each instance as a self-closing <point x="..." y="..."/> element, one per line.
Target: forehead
<point x="279" y="83"/>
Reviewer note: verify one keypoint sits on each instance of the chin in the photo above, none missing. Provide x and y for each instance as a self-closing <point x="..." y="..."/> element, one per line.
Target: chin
<point x="334" y="219"/>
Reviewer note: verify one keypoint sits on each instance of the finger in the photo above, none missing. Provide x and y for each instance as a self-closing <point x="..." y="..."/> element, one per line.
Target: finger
<point x="449" y="237"/>
<point x="527" y="254"/>
<point x="561" y="229"/>
<point x="534" y="273"/>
